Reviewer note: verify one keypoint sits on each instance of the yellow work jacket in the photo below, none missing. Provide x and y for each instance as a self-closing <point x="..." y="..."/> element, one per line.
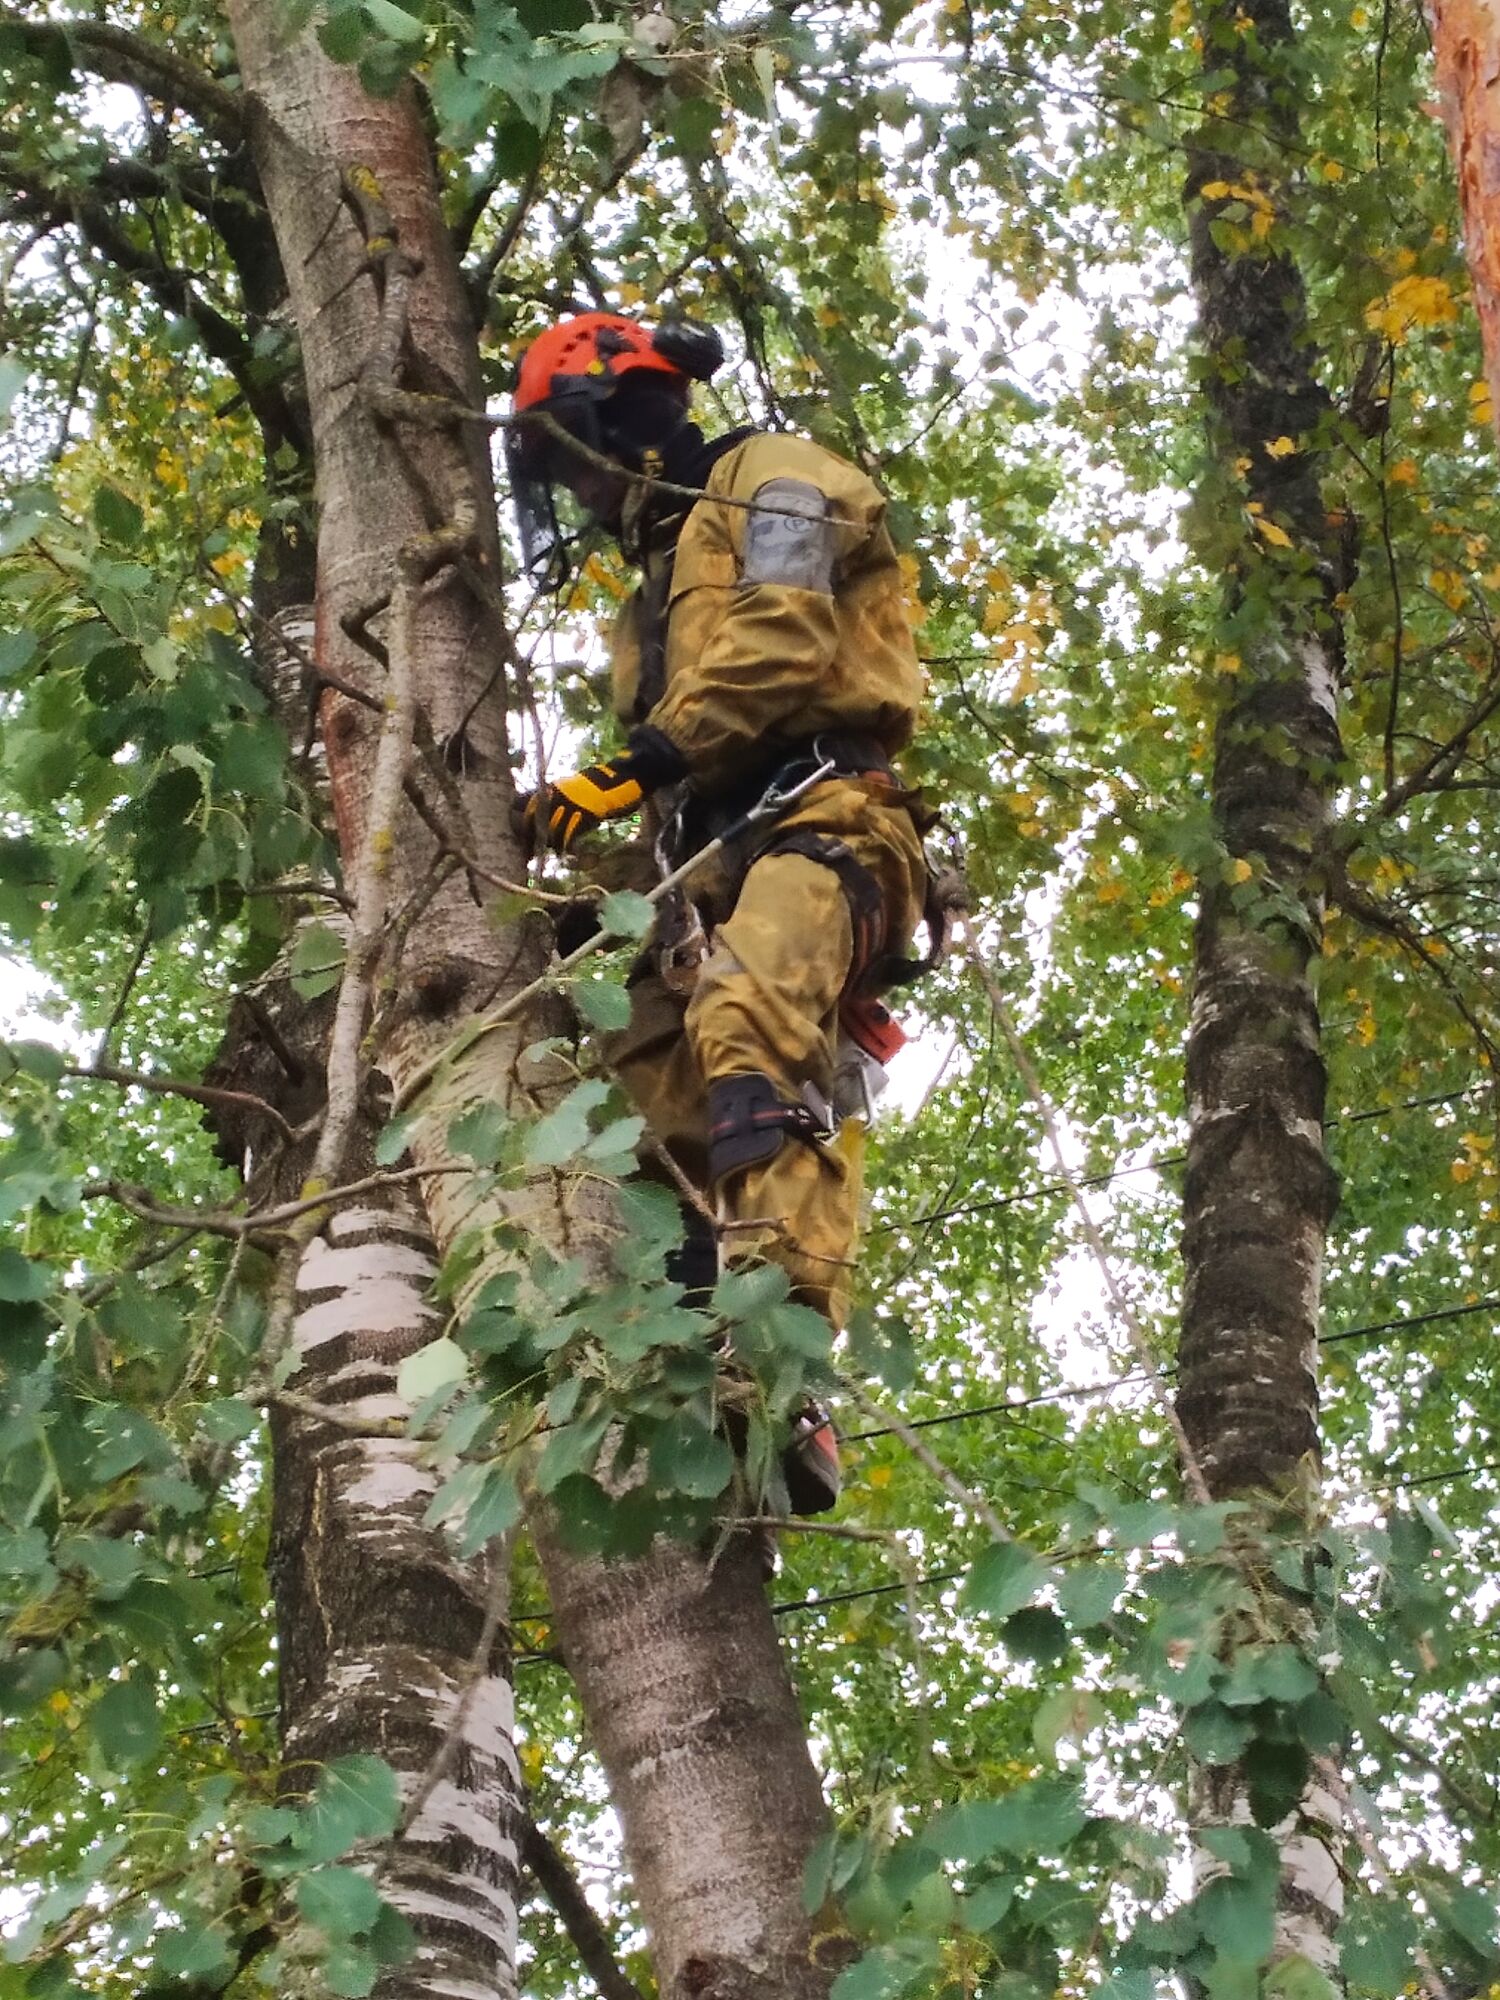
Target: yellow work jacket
<point x="752" y="667"/>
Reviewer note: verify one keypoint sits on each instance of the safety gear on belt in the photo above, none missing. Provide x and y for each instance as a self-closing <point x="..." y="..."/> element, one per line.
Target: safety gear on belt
<point x="561" y="812"/>
<point x="748" y="1123"/>
<point x="568" y="413"/>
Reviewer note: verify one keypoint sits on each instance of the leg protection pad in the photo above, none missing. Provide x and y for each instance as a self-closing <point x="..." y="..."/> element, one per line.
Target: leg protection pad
<point x="748" y="1123"/>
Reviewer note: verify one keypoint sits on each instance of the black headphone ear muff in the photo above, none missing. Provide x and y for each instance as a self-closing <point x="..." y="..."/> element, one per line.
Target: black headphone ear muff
<point x="691" y="346"/>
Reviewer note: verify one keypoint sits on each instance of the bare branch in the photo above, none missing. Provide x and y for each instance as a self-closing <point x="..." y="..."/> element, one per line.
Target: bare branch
<point x="174" y="1086"/>
<point x="552" y="1875"/>
<point x="123" y="55"/>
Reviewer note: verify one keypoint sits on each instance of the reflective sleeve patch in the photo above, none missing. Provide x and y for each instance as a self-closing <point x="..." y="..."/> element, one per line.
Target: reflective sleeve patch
<point x="789" y="537"/>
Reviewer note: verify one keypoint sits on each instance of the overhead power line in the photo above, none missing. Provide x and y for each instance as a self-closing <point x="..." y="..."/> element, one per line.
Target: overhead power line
<point x="1157" y="1165"/>
<point x="975" y="1410"/>
<point x="833" y="1599"/>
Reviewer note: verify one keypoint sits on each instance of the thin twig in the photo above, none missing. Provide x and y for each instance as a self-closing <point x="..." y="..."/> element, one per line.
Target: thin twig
<point x="173" y="1086"/>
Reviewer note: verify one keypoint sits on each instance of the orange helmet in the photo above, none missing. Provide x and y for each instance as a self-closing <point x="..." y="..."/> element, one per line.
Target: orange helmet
<point x="572" y="374"/>
<point x="593" y="345"/>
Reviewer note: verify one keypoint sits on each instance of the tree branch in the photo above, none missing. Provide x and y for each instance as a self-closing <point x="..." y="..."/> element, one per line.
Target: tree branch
<point x="173" y="1086"/>
<point x="557" y="1882"/>
<point x="122" y="55"/>
<point x="101" y="229"/>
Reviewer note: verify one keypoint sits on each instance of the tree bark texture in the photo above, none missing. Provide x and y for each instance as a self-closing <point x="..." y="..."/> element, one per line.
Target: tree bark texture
<point x="1259" y="1191"/>
<point x="383" y="1634"/>
<point x="690" y="1708"/>
<point x="721" y="1733"/>
<point x="1466" y="45"/>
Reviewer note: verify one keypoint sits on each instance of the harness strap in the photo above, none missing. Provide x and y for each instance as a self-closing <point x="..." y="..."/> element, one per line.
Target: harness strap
<point x="861" y="892"/>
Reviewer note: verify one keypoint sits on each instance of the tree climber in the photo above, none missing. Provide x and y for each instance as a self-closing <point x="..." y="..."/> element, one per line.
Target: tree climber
<point x="768" y="638"/>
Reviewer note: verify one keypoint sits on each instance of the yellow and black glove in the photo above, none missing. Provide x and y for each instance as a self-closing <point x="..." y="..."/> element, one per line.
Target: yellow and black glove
<point x="564" y="810"/>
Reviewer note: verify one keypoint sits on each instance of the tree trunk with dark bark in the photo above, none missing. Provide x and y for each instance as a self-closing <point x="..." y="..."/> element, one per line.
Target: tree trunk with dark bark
<point x="1259" y="1190"/>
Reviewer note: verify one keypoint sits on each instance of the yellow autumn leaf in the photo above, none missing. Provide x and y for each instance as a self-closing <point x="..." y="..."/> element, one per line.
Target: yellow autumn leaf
<point x="1281" y="447"/>
<point x="1413" y="301"/>
<point x="1270" y="532"/>
<point x="1333" y="170"/>
<point x="1364" y="1028"/>
<point x="878" y="1476"/>
<point x="1481" y="405"/>
<point x="1450" y="586"/>
<point x="1227" y="663"/>
<point x="1403" y="473"/>
<point x="1215" y="190"/>
<point x="1240" y="870"/>
<point x="1020" y="637"/>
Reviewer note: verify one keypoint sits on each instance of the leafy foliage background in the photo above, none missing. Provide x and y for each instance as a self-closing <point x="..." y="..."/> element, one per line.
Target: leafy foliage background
<point x="950" y="240"/>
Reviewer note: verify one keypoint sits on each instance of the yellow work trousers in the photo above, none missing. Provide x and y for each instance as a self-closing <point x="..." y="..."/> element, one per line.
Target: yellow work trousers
<point x="766" y="1000"/>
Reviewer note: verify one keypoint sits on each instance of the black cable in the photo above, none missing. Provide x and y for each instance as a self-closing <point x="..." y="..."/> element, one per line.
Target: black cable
<point x="1167" y="1372"/>
<point x="937" y="1576"/>
<point x="1152" y="1166"/>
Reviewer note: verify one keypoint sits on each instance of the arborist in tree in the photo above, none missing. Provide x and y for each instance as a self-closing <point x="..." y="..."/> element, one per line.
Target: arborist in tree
<point x="767" y="643"/>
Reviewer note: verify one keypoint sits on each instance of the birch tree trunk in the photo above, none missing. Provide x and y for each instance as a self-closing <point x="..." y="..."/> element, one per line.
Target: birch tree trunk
<point x="719" y="1801"/>
<point x="1259" y="1191"/>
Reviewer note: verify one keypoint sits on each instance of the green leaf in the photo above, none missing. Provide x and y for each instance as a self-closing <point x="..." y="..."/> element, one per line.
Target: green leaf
<point x="117" y="517"/>
<point x="495" y="1510"/>
<point x="198" y="1951"/>
<point x="17" y="651"/>
<point x="687" y="1457"/>
<point x="357" y="1798"/>
<point x="880" y="1344"/>
<point x="1036" y="1633"/>
<point x="626" y="914"/>
<point x="1006" y="1577"/>
<point x="603" y="1003"/>
<point x="1040" y="1817"/>
<point x="564" y="1132"/>
<point x="1467" y="1913"/>
<point x="343" y="35"/>
<point x="749" y="1291"/>
<point x="1214" y="1735"/>
<point x="1378" y="1946"/>
<point x="987" y="1905"/>
<point x="480" y="1133"/>
<point x="351" y="1970"/>
<point x="1238" y="1918"/>
<point x="1297" y="1978"/>
<point x="395" y="23"/>
<point x="1277" y="1775"/>
<point x="1088" y="1591"/>
<point x="394" y="1139"/>
<point x="1065" y="1717"/>
<point x="439" y="1365"/>
<point x="13" y="378"/>
<point x="571" y="1450"/>
<point x="126" y="1721"/>
<point x="21" y="1280"/>
<point x="340" y="1901"/>
<point x="317" y="961"/>
<point x="229" y="1420"/>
